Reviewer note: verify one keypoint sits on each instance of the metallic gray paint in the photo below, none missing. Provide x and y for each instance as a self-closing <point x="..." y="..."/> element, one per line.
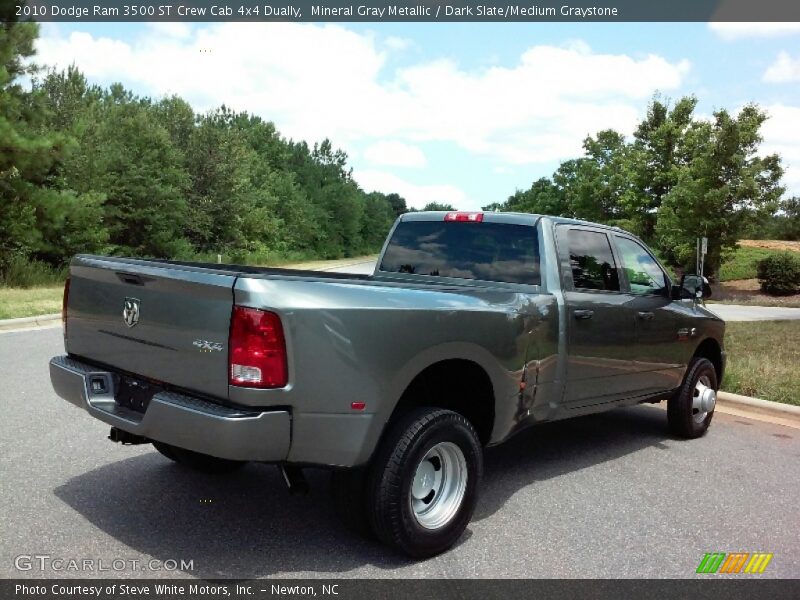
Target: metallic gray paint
<point x="356" y="338"/>
<point x="178" y="419"/>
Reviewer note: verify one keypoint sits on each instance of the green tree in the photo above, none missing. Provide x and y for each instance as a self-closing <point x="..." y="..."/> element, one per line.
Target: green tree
<point x="323" y="176"/>
<point x="594" y="187"/>
<point x="39" y="216"/>
<point x="226" y="210"/>
<point x="178" y="118"/>
<point x="608" y="177"/>
<point x="379" y="215"/>
<point x="786" y="224"/>
<point x="131" y="160"/>
<point x="655" y="159"/>
<point x="723" y="184"/>
<point x="576" y="180"/>
<point x="438" y="206"/>
<point x="26" y="155"/>
<point x="398" y="204"/>
<point x="542" y="198"/>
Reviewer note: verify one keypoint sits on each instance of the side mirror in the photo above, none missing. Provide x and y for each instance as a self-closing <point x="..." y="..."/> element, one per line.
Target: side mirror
<point x="693" y="287"/>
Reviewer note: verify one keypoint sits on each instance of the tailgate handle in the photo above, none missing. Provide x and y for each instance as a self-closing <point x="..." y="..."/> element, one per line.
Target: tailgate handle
<point x="131" y="278"/>
<point x="583" y="314"/>
<point x="645" y="315"/>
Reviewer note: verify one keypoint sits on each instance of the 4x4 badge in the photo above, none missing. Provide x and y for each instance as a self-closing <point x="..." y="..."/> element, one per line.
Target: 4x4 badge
<point x="206" y="346"/>
<point x="130" y="314"/>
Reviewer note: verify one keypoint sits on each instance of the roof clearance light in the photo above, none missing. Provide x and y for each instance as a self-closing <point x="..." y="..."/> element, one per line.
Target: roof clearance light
<point x="464" y="217"/>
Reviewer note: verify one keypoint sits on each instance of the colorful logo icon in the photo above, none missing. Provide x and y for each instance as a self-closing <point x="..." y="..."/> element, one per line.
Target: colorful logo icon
<point x="734" y="562"/>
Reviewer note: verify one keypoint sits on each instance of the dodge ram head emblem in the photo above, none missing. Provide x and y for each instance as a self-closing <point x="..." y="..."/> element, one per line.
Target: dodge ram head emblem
<point x="130" y="314"/>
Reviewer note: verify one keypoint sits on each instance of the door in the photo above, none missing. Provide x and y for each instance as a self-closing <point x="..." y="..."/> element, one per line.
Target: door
<point x="601" y="331"/>
<point x="658" y="349"/>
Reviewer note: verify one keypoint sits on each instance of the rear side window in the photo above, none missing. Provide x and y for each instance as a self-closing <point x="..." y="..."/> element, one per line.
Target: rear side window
<point x="591" y="261"/>
<point x="486" y="251"/>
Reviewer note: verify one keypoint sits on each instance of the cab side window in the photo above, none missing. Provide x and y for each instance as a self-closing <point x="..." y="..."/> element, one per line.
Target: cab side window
<point x="591" y="260"/>
<point x="644" y="274"/>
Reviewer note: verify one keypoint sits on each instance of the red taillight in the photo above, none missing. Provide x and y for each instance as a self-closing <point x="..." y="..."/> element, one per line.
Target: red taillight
<point x="64" y="302"/>
<point x="257" y="355"/>
<point x="466" y="217"/>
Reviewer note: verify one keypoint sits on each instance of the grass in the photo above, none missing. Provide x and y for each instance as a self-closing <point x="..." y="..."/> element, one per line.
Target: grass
<point x="762" y="360"/>
<point x="19" y="272"/>
<point x="742" y="263"/>
<point x="29" y="302"/>
<point x="46" y="299"/>
<point x="263" y="259"/>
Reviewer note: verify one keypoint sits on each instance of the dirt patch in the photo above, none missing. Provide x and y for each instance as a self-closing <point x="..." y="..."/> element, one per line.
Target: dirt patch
<point x="748" y="291"/>
<point x="771" y="245"/>
<point x="741" y="285"/>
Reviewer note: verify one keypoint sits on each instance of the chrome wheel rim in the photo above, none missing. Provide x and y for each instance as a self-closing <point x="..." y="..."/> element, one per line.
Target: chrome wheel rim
<point x="439" y="485"/>
<point x="704" y="399"/>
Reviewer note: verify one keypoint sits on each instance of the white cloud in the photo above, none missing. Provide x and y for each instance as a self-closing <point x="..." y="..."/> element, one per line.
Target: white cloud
<point x="294" y="74"/>
<point x="502" y="170"/>
<point x="416" y="195"/>
<point x="735" y="31"/>
<point x="397" y="44"/>
<point x="173" y="30"/>
<point x="394" y="153"/>
<point x="99" y="58"/>
<point x="782" y="135"/>
<point x="784" y="69"/>
<point x="318" y="81"/>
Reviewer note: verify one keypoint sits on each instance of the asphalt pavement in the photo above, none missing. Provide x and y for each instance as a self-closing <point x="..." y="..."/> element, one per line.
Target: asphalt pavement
<point x="610" y="495"/>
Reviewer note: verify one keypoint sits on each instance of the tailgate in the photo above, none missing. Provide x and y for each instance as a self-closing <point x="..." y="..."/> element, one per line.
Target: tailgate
<point x="161" y="321"/>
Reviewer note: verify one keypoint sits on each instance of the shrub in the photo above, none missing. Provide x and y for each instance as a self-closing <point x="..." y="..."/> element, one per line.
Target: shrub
<point x="21" y="272"/>
<point x="779" y="274"/>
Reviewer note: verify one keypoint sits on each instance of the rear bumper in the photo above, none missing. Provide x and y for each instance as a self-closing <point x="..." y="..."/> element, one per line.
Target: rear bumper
<point x="177" y="419"/>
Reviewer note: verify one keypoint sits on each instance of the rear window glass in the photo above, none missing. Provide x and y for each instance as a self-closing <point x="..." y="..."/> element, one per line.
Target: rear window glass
<point x="487" y="251"/>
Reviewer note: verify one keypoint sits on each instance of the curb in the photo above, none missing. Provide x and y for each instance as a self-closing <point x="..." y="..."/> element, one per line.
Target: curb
<point x="747" y="403"/>
<point x="26" y="322"/>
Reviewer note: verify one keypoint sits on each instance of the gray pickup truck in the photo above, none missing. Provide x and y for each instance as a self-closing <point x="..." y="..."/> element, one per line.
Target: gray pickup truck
<point x="473" y="327"/>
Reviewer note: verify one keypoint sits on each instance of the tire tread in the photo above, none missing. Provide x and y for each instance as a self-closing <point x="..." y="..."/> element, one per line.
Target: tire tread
<point x="385" y="508"/>
<point x="679" y="406"/>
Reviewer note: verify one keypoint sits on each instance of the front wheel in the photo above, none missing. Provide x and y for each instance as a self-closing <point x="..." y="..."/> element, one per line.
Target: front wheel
<point x="691" y="408"/>
<point x="424" y="482"/>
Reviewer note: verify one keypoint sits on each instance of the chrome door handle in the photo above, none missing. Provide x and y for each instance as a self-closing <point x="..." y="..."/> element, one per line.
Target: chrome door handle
<point x="646" y="315"/>
<point x="583" y="314"/>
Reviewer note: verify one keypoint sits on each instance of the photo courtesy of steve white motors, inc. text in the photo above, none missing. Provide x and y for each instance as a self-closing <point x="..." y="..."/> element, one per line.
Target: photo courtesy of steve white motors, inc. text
<point x="141" y="590"/>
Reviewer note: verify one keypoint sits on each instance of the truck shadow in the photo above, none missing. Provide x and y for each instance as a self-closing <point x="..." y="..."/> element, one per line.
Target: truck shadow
<point x="247" y="525"/>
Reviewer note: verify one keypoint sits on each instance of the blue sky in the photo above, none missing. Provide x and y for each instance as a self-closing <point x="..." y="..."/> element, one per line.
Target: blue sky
<point x="462" y="113"/>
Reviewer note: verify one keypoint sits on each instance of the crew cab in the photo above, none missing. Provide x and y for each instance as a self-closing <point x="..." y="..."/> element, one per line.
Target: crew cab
<point x="472" y="328"/>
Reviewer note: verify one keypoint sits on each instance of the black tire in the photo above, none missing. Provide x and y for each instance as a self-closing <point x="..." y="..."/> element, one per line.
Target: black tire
<point x="682" y="417"/>
<point x="392" y="473"/>
<point x="349" y="493"/>
<point x="198" y="461"/>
